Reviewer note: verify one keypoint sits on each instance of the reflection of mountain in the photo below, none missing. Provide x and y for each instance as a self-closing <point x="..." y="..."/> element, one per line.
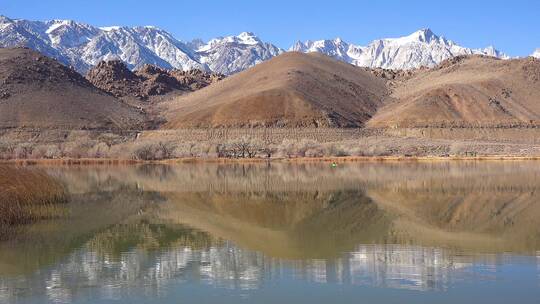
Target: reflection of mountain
<point x="135" y="230"/>
<point x="192" y="256"/>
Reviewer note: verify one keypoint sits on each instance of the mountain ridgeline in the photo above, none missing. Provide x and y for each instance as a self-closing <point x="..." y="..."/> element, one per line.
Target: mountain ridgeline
<point x="290" y="90"/>
<point x="83" y="46"/>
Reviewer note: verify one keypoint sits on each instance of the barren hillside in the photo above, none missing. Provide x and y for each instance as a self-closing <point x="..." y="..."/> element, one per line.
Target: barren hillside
<point x="292" y="90"/>
<point x="472" y="91"/>
<point x="39" y="92"/>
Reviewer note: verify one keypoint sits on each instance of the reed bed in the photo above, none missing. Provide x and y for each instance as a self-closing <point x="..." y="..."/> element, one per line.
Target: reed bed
<point x="27" y="195"/>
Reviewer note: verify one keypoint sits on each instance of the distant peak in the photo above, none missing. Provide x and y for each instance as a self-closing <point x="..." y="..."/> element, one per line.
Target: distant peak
<point x="426" y="30"/>
<point x="246" y="34"/>
<point x="63" y="21"/>
<point x="424" y="35"/>
<point x="4" y="19"/>
<point x="110" y="28"/>
<point x="248" y="38"/>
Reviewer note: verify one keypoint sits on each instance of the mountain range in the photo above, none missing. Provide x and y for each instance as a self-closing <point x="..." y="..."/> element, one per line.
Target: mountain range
<point x="421" y="48"/>
<point x="83" y="46"/>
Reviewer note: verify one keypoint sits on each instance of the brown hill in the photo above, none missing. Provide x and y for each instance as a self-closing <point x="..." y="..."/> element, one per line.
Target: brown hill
<point x="471" y="91"/>
<point x="292" y="89"/>
<point x="115" y="78"/>
<point x="39" y="92"/>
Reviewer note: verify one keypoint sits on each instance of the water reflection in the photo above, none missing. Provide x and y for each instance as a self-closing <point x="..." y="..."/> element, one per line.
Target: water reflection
<point x="143" y="231"/>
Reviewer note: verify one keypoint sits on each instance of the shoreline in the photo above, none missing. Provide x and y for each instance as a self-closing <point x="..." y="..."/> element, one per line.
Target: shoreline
<point x="345" y="159"/>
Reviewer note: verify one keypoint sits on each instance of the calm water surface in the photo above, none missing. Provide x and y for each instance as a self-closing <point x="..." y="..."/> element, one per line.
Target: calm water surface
<point x="443" y="232"/>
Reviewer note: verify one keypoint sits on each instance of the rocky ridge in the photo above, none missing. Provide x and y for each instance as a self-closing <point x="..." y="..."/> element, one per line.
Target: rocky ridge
<point x="117" y="79"/>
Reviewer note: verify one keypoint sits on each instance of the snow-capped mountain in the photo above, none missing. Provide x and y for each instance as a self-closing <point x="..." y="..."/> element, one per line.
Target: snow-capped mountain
<point x="82" y="46"/>
<point x="228" y="55"/>
<point x="30" y="34"/>
<point x="421" y="48"/>
<point x="536" y="54"/>
<point x="139" y="46"/>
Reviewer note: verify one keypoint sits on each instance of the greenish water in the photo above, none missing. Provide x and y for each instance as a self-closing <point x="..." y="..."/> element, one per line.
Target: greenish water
<point x="446" y="232"/>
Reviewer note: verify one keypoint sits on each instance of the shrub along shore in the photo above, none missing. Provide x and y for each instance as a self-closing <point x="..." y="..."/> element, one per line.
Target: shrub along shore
<point x="268" y="143"/>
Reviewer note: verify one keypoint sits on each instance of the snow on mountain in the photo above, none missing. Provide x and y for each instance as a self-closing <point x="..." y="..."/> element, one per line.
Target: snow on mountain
<point x="14" y="33"/>
<point x="139" y="46"/>
<point x="421" y="48"/>
<point x="536" y="54"/>
<point x="68" y="34"/>
<point x="82" y="46"/>
<point x="228" y="55"/>
<point x="336" y="48"/>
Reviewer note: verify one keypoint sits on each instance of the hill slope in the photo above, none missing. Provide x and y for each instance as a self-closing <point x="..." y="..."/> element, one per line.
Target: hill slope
<point x="472" y="91"/>
<point x="292" y="90"/>
<point x="39" y="92"/>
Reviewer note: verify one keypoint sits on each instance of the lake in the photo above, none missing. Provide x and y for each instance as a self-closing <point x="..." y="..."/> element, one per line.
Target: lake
<point x="388" y="232"/>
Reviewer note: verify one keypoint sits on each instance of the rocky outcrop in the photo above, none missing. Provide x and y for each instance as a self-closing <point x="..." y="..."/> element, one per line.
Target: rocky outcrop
<point x="196" y="79"/>
<point x="115" y="78"/>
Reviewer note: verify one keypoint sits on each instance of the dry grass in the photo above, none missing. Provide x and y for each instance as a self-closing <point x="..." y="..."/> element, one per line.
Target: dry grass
<point x="27" y="195"/>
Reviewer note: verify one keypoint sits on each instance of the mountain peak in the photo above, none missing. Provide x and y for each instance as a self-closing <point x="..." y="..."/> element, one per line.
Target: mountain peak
<point x="246" y="34"/>
<point x="536" y="53"/>
<point x="248" y="38"/>
<point x="423" y="35"/>
<point x="110" y="28"/>
<point x="4" y="19"/>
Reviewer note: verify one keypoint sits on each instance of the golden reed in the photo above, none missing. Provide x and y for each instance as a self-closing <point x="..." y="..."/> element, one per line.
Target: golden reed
<point x="27" y="195"/>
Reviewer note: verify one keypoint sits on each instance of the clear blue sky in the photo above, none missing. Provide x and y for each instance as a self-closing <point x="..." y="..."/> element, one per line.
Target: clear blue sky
<point x="511" y="26"/>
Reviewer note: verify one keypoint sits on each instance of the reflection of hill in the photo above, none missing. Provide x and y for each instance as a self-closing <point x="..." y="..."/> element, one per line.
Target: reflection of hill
<point x="121" y="238"/>
<point x="312" y="210"/>
<point x="491" y="212"/>
<point x="290" y="225"/>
